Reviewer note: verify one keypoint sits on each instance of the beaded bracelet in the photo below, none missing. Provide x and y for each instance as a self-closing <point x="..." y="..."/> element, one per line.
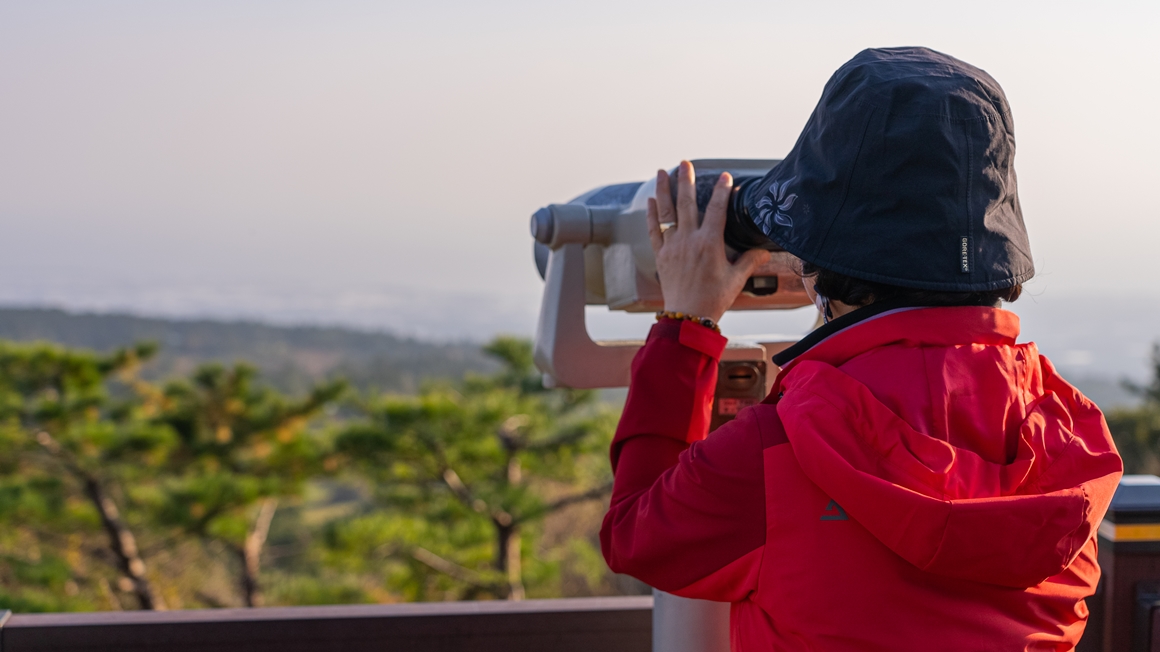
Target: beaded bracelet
<point x="704" y="321"/>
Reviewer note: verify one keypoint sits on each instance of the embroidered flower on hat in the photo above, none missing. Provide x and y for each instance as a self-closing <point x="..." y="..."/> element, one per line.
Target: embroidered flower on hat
<point x="774" y="204"/>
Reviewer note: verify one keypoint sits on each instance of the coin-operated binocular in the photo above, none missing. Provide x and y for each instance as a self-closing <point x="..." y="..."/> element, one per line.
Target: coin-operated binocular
<point x="595" y="250"/>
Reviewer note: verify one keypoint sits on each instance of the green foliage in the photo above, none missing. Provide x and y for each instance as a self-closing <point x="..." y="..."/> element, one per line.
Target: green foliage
<point x="1137" y="430"/>
<point x="217" y="490"/>
<point x="87" y="448"/>
<point x="237" y="442"/>
<point x="464" y="476"/>
<point x="319" y="590"/>
<point x="61" y="434"/>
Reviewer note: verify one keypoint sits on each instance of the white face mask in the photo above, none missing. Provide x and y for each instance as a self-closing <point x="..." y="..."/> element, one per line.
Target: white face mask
<point x="822" y="303"/>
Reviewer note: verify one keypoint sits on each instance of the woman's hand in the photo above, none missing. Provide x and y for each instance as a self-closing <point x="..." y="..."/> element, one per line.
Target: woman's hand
<point x="695" y="276"/>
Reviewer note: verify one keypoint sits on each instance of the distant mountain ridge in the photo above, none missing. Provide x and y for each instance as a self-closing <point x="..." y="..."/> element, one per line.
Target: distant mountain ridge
<point x="290" y="357"/>
<point x="293" y="357"/>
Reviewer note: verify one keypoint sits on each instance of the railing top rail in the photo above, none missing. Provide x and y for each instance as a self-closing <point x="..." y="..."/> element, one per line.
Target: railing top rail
<point x="570" y="625"/>
<point x="407" y="610"/>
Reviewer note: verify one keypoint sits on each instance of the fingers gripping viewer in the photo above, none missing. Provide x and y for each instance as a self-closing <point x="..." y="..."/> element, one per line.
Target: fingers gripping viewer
<point x="917" y="479"/>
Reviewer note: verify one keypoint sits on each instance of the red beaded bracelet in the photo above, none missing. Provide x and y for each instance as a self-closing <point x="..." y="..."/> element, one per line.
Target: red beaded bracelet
<point x="704" y="321"/>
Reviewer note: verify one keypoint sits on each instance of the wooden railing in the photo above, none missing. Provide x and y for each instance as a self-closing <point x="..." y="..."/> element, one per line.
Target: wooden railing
<point x="620" y="624"/>
<point x="580" y="624"/>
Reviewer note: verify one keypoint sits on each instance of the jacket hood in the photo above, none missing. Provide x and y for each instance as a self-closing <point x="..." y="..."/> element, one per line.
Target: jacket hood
<point x="904" y="174"/>
<point x="945" y="507"/>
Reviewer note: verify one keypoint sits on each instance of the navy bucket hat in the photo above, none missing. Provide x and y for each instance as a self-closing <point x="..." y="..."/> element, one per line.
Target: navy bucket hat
<point x="903" y="175"/>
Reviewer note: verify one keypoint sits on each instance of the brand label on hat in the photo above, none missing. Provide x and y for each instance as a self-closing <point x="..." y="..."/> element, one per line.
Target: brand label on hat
<point x="965" y="255"/>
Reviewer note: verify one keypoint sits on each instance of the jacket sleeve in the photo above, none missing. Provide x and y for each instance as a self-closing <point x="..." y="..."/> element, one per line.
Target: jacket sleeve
<point x="687" y="513"/>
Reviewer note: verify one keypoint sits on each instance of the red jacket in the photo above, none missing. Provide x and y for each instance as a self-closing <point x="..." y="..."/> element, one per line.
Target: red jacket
<point x="915" y="481"/>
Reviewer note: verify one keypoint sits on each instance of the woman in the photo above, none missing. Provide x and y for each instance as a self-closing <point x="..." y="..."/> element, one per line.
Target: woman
<point x="916" y="479"/>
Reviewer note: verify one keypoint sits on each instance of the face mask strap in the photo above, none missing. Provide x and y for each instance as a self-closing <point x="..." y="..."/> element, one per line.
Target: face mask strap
<point x="823" y="304"/>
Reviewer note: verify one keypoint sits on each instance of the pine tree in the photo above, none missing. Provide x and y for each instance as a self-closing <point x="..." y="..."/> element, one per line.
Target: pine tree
<point x="241" y="447"/>
<point x="465" y="473"/>
<point x="67" y="441"/>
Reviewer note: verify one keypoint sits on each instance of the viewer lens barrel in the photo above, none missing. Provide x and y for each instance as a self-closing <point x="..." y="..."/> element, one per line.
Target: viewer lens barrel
<point x="741" y="234"/>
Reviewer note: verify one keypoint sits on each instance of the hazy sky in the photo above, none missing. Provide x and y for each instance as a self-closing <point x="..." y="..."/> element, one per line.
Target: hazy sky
<point x="375" y="163"/>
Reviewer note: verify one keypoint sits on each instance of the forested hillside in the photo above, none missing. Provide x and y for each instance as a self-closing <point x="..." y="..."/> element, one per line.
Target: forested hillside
<point x="290" y="358"/>
<point x="232" y="493"/>
<point x="214" y="490"/>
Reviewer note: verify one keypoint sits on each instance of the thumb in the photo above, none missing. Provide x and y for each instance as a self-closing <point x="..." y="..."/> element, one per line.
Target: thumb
<point x="751" y="261"/>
